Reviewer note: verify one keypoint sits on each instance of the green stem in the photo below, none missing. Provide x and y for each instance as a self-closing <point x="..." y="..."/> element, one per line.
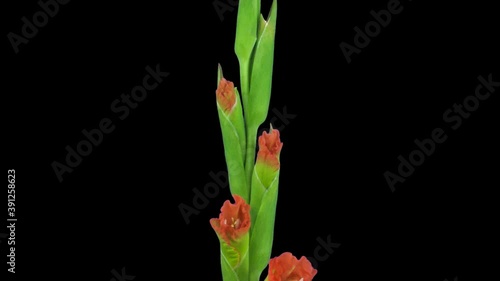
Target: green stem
<point x="245" y="81"/>
<point x="250" y="154"/>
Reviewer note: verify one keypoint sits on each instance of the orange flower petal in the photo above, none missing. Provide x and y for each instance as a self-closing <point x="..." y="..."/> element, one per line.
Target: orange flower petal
<point x="226" y="97"/>
<point x="233" y="221"/>
<point x="269" y="149"/>
<point x="287" y="267"/>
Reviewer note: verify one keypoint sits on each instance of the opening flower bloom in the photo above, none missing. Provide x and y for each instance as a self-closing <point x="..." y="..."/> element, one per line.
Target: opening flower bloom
<point x="226" y="98"/>
<point x="267" y="163"/>
<point x="269" y="149"/>
<point x="233" y="221"/>
<point x="287" y="267"/>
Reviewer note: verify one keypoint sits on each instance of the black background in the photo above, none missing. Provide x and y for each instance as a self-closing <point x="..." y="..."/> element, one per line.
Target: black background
<point x="119" y="207"/>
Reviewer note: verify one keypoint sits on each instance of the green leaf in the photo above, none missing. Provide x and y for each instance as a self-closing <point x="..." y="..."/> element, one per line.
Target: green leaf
<point x="246" y="36"/>
<point x="262" y="70"/>
<point x="256" y="106"/>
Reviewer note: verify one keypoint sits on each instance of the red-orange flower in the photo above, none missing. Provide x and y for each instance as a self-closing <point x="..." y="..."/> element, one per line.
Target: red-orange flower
<point x="269" y="149"/>
<point x="287" y="267"/>
<point x="225" y="95"/>
<point x="233" y="221"/>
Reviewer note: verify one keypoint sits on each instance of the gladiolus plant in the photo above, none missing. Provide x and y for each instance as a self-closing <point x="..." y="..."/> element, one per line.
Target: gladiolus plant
<point x="245" y="228"/>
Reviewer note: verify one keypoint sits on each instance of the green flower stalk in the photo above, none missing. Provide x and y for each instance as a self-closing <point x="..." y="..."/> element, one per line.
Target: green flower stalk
<point x="245" y="228"/>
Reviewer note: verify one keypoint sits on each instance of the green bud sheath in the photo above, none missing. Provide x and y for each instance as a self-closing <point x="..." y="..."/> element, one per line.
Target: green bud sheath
<point x="232" y="124"/>
<point x="262" y="232"/>
<point x="235" y="260"/>
<point x="264" y="197"/>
